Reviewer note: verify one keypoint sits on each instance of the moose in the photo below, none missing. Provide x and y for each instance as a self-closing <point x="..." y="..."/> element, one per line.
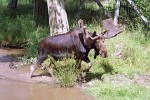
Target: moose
<point x="78" y="42"/>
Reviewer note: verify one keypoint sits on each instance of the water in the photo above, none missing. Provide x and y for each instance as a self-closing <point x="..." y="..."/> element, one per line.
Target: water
<point x="14" y="90"/>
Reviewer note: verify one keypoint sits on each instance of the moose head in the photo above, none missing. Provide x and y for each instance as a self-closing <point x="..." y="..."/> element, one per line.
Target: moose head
<point x="99" y="38"/>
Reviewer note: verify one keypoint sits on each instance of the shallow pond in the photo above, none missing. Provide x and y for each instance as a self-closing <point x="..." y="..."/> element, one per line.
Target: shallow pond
<point x="14" y="90"/>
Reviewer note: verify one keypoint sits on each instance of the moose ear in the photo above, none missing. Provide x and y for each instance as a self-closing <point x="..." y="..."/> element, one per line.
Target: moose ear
<point x="93" y="37"/>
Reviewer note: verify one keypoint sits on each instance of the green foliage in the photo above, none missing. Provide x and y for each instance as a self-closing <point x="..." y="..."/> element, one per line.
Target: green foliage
<point x="34" y="38"/>
<point x="22" y="29"/>
<point x="130" y="17"/>
<point x="16" y="31"/>
<point x="65" y="72"/>
<point x="144" y="6"/>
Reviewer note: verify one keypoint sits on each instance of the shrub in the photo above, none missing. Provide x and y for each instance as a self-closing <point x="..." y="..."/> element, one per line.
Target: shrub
<point x="65" y="72"/>
<point x="34" y="38"/>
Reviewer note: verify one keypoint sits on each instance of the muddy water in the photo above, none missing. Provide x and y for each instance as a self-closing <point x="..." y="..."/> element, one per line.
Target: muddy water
<point x="7" y="55"/>
<point x="4" y="52"/>
<point x="13" y="89"/>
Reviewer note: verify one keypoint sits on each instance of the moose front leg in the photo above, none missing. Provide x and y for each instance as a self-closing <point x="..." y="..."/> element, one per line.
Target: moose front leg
<point x="82" y="73"/>
<point x="78" y="64"/>
<point x="87" y="60"/>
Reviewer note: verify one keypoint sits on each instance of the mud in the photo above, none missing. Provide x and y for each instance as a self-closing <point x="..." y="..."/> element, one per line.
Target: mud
<point x="15" y="84"/>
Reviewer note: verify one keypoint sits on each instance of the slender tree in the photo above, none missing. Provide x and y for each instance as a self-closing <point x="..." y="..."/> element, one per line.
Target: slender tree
<point x="116" y="14"/>
<point x="101" y="7"/>
<point x="58" y="21"/>
<point x="138" y="11"/>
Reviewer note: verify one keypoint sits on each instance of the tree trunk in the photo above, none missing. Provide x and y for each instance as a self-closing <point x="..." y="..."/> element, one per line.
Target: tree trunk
<point x="138" y="11"/>
<point x="58" y="21"/>
<point x="12" y="4"/>
<point x="105" y="11"/>
<point x="116" y="14"/>
<point x="40" y="11"/>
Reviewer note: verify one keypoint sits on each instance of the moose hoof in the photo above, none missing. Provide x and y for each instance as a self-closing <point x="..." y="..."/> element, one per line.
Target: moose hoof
<point x="79" y="82"/>
<point x="30" y="75"/>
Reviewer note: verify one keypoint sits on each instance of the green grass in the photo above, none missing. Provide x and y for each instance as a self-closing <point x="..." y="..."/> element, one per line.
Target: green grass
<point x="107" y="91"/>
<point x="133" y="60"/>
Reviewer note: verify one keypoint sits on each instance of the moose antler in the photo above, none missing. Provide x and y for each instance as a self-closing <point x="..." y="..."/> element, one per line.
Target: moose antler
<point x="111" y="29"/>
<point x="81" y="25"/>
<point x="90" y="37"/>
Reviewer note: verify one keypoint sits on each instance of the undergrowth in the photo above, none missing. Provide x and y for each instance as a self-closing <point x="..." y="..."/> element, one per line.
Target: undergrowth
<point x="65" y="72"/>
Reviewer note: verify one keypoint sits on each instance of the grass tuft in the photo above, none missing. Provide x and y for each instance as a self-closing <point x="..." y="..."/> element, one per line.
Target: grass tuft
<point x="65" y="72"/>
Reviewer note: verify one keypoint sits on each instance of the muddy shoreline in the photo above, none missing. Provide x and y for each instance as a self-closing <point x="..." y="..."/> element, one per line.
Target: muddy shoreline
<point x="16" y="83"/>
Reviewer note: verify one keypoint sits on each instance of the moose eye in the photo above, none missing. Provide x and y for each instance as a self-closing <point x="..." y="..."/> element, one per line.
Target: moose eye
<point x="103" y="40"/>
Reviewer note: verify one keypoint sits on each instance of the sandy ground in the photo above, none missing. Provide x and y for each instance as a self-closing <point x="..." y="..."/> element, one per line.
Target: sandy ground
<point x="22" y="74"/>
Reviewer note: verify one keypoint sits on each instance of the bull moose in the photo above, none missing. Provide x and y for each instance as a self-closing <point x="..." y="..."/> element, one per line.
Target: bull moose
<point x="78" y="41"/>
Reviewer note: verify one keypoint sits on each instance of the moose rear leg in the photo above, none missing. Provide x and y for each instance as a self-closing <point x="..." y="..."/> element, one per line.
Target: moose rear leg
<point x="37" y="63"/>
<point x="51" y="66"/>
<point x="79" y="71"/>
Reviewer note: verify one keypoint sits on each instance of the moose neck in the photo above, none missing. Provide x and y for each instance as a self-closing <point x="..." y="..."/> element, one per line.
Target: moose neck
<point x="89" y="44"/>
